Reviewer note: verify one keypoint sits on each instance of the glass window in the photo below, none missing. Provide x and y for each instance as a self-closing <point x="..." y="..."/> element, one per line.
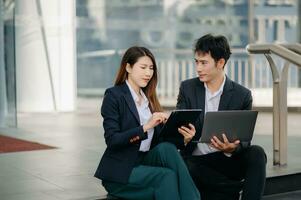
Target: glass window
<point x="7" y="65"/>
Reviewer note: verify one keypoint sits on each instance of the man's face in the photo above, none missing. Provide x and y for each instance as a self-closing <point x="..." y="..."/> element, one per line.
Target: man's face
<point x="208" y="70"/>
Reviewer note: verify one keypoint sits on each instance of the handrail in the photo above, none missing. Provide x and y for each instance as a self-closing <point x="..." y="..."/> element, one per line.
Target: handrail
<point x="282" y="51"/>
<point x="293" y="47"/>
<point x="111" y="52"/>
<point x="291" y="53"/>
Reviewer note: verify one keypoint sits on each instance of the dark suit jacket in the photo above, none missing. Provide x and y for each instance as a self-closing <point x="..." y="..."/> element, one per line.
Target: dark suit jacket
<point x="192" y="96"/>
<point x="121" y="123"/>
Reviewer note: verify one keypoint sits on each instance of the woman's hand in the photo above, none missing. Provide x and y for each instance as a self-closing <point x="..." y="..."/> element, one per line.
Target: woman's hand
<point x="157" y="118"/>
<point x="188" y="133"/>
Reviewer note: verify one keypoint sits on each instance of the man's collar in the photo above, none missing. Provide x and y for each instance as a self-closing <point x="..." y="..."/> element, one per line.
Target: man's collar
<point x="220" y="90"/>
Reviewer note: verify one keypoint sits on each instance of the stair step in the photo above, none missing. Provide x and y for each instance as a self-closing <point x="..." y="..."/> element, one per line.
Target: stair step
<point x="283" y="184"/>
<point x="296" y="195"/>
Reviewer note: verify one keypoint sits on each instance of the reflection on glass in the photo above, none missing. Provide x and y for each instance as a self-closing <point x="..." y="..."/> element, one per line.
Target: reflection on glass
<point x="170" y="27"/>
<point x="7" y="66"/>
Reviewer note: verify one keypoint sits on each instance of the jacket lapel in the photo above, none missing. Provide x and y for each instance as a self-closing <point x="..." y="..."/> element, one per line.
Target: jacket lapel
<point x="200" y="95"/>
<point x="130" y="101"/>
<point x="226" y="96"/>
<point x="200" y="104"/>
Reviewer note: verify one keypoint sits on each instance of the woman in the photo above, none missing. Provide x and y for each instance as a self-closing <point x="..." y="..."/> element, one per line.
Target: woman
<point x="136" y="164"/>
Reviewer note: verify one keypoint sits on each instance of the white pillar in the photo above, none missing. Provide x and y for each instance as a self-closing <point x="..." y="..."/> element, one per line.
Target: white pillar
<point x="97" y="10"/>
<point x="261" y="29"/>
<point x="3" y="98"/>
<point x="280" y="30"/>
<point x="45" y="55"/>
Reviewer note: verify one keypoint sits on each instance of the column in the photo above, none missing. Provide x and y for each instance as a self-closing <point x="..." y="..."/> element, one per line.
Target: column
<point x="3" y="99"/>
<point x="261" y="31"/>
<point x="280" y="30"/>
<point x="45" y="55"/>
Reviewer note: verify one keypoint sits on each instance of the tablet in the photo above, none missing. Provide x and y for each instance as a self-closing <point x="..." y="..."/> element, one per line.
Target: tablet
<point x="177" y="119"/>
<point x="236" y="124"/>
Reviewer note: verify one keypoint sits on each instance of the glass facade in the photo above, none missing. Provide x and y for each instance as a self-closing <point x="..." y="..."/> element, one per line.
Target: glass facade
<point x="169" y="28"/>
<point x="105" y="28"/>
<point x="7" y="65"/>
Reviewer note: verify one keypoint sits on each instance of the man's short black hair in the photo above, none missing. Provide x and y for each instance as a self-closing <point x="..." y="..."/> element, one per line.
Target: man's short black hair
<point x="217" y="46"/>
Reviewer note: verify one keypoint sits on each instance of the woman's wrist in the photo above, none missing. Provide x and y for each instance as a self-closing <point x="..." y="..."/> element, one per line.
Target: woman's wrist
<point x="145" y="128"/>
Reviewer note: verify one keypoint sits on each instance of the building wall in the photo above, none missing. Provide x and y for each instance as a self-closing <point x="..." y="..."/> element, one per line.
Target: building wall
<point x="106" y="28"/>
<point x="7" y="66"/>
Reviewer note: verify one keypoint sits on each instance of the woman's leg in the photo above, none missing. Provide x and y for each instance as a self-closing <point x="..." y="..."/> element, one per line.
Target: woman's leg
<point x="147" y="183"/>
<point x="166" y="155"/>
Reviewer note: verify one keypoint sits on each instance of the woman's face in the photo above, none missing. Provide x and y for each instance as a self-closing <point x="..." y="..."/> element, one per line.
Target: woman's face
<point x="140" y="73"/>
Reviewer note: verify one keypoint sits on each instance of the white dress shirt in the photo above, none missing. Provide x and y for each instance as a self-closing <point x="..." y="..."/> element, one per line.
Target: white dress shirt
<point x="211" y="104"/>
<point x="144" y="115"/>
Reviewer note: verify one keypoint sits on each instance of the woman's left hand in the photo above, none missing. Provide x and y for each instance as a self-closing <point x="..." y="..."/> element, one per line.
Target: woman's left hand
<point x="188" y="133"/>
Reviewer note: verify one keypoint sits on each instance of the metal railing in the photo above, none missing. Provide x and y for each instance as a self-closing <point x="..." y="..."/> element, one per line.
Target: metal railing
<point x="178" y="65"/>
<point x="253" y="74"/>
<point x="291" y="53"/>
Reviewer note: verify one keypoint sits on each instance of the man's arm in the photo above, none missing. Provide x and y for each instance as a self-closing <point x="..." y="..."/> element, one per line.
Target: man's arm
<point x="247" y="105"/>
<point x="248" y="101"/>
<point x="181" y="101"/>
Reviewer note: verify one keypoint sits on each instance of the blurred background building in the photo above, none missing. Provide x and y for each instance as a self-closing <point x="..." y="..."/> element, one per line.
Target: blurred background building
<point x="55" y="51"/>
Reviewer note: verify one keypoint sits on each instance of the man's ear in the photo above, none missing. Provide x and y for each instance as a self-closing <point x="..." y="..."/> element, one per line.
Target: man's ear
<point x="220" y="63"/>
<point x="128" y="68"/>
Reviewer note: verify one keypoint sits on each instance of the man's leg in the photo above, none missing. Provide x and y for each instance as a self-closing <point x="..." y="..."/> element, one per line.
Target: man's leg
<point x="254" y="161"/>
<point x="250" y="165"/>
<point x="216" y="169"/>
<point x="212" y="183"/>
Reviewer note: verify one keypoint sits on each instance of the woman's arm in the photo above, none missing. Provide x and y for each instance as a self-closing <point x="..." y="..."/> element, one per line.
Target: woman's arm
<point x="114" y="137"/>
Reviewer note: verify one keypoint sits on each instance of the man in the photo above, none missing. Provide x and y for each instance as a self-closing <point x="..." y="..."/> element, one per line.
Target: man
<point x="220" y="169"/>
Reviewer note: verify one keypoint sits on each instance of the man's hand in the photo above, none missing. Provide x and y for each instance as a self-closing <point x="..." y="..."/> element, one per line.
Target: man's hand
<point x="188" y="133"/>
<point x="226" y="146"/>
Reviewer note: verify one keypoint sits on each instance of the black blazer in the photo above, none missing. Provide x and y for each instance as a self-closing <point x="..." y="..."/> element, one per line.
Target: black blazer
<point x="121" y="123"/>
<point x="192" y="96"/>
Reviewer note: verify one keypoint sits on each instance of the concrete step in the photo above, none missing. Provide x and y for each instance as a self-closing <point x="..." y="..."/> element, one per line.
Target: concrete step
<point x="281" y="187"/>
<point x="296" y="195"/>
<point x="283" y="184"/>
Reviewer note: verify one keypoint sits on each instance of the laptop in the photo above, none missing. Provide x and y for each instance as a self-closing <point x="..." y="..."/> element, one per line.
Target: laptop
<point x="236" y="124"/>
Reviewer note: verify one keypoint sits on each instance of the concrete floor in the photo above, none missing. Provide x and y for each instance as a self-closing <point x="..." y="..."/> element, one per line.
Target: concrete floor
<point x="67" y="172"/>
<point x="285" y="196"/>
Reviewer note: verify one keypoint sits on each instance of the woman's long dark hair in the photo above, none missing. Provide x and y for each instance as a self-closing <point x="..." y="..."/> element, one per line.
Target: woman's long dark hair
<point x="131" y="56"/>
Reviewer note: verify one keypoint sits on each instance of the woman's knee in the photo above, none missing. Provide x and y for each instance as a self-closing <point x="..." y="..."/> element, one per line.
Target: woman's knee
<point x="166" y="147"/>
<point x="169" y="176"/>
